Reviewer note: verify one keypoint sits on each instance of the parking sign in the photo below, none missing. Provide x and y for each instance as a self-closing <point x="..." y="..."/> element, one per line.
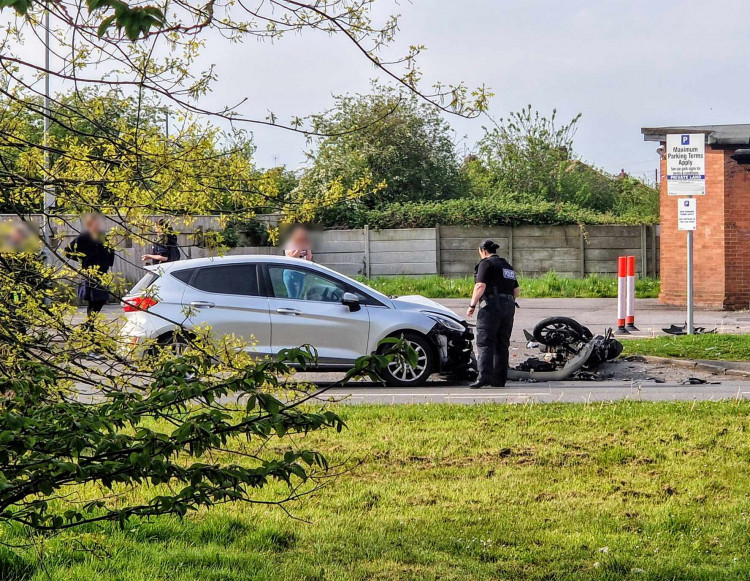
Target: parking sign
<point x="686" y="164"/>
<point x="687" y="214"/>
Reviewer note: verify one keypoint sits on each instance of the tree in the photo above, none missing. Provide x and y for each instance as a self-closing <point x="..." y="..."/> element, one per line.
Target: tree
<point x="530" y="156"/>
<point x="75" y="410"/>
<point x="383" y="147"/>
<point x="524" y="152"/>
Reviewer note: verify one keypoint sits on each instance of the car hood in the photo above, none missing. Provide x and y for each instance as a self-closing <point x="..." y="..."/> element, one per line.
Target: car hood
<point x="420" y="303"/>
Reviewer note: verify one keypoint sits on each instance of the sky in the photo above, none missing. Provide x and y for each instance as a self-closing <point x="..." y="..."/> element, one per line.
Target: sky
<point x="622" y="64"/>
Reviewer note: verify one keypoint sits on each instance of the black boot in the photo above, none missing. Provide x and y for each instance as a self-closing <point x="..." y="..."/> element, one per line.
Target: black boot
<point x="478" y="383"/>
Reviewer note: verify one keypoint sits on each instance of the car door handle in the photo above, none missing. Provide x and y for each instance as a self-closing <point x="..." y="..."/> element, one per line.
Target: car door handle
<point x="202" y="304"/>
<point x="294" y="312"/>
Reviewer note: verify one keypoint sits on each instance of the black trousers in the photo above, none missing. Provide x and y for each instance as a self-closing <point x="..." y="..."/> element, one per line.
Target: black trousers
<point x="91" y="308"/>
<point x="494" y="326"/>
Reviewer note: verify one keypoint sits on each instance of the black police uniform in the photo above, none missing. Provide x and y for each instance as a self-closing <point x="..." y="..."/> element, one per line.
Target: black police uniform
<point x="495" y="318"/>
<point x="167" y="247"/>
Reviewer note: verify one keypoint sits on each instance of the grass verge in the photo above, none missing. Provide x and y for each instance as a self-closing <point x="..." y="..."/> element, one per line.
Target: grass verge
<point x="549" y="285"/>
<point x="723" y="347"/>
<point x="613" y="491"/>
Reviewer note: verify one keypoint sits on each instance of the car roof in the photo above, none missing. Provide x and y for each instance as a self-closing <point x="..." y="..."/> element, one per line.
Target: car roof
<point x="226" y="259"/>
<point x="238" y="259"/>
<point x="256" y="258"/>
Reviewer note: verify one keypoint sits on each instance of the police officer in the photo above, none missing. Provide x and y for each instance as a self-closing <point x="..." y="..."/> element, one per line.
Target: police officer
<point x="496" y="287"/>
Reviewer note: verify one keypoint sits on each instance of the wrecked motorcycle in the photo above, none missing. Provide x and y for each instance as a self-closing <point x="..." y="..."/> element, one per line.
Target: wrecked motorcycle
<point x="568" y="349"/>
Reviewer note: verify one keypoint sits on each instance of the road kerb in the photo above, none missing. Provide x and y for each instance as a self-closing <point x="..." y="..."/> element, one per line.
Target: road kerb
<point x="716" y="367"/>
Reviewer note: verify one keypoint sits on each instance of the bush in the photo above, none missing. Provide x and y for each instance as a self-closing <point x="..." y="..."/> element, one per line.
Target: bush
<point x="239" y="232"/>
<point x="495" y="211"/>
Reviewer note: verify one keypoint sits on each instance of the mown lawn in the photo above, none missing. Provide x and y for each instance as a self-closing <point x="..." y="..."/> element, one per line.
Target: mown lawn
<point x="613" y="491"/>
<point x="713" y="346"/>
<point x="550" y="285"/>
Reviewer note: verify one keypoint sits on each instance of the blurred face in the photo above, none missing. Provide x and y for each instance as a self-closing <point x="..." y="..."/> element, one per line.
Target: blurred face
<point x="13" y="237"/>
<point x="94" y="225"/>
<point x="300" y="238"/>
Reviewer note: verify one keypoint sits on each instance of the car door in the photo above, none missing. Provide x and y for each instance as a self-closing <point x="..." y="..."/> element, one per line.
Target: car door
<point x="227" y="297"/>
<point x="306" y="309"/>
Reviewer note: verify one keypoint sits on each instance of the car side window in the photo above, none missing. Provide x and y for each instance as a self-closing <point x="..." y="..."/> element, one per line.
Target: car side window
<point x="232" y="279"/>
<point x="297" y="283"/>
<point x="184" y="275"/>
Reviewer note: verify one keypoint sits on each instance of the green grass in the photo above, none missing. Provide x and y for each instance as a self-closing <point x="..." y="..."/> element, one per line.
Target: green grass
<point x="725" y="347"/>
<point x="550" y="285"/>
<point x="566" y="492"/>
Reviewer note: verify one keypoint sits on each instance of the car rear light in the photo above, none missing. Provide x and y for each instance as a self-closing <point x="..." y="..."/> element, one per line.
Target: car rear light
<point x="133" y="304"/>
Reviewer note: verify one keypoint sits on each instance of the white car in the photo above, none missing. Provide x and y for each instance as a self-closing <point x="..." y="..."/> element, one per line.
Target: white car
<point x="286" y="302"/>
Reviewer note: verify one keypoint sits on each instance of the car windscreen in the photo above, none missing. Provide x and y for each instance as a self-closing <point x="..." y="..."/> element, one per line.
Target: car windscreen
<point x="360" y="287"/>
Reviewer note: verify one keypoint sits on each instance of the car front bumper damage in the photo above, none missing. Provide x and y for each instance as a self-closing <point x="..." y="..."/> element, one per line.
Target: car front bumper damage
<point x="456" y="352"/>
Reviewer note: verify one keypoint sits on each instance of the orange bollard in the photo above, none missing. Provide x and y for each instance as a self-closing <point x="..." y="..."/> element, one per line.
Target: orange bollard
<point x="622" y="294"/>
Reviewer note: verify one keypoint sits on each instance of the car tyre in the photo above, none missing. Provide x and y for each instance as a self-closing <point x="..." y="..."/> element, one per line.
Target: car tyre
<point x="560" y="331"/>
<point x="401" y="374"/>
<point x="176" y="342"/>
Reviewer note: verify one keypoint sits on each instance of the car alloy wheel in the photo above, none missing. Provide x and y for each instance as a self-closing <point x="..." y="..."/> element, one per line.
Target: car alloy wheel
<point x="175" y="343"/>
<point x="400" y="373"/>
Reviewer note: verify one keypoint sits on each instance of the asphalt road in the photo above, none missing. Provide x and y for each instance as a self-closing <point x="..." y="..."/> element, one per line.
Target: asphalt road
<point x="632" y="381"/>
<point x="515" y="393"/>
<point x="598" y="314"/>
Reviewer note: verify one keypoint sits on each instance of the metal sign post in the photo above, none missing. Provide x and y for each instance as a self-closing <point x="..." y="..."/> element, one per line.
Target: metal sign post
<point x="687" y="219"/>
<point x="686" y="176"/>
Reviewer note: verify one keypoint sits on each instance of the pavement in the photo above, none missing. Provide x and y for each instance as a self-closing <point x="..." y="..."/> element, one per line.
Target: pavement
<point x="650" y="380"/>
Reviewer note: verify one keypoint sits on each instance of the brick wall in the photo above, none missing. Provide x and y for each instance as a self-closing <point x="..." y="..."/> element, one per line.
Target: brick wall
<point x="721" y="244"/>
<point x="737" y="234"/>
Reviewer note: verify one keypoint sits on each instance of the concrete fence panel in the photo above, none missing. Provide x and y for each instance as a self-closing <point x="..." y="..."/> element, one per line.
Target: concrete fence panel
<point x="446" y="250"/>
<point x="341" y="250"/>
<point x="406" y="251"/>
<point x="458" y="246"/>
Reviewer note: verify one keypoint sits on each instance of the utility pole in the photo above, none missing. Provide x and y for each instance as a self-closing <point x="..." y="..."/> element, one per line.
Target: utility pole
<point x="49" y="190"/>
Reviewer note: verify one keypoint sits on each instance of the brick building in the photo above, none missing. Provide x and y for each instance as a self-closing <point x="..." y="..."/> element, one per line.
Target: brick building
<point x="721" y="244"/>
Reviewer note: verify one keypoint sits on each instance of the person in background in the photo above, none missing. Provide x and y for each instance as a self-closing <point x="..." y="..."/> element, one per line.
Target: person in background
<point x="496" y="286"/>
<point x="297" y="246"/>
<point x="21" y="259"/>
<point x="90" y="251"/>
<point x="165" y="248"/>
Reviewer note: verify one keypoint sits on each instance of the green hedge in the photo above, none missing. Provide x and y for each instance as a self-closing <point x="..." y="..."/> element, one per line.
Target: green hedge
<point x="471" y="212"/>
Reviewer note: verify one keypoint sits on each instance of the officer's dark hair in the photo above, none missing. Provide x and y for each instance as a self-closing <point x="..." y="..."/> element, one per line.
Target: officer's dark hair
<point x="489" y="246"/>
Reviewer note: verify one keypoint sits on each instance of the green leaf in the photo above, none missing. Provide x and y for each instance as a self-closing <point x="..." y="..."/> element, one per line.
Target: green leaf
<point x="105" y="25"/>
<point x="20" y="6"/>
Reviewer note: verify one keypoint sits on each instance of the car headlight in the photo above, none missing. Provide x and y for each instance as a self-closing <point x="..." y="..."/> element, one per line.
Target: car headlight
<point x="446" y="322"/>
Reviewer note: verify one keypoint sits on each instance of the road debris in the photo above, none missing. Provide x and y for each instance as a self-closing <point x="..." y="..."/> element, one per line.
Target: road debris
<point x="677" y="330"/>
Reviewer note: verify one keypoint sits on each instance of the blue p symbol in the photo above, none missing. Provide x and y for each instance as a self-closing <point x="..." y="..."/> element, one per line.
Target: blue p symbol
<point x="685" y="140"/>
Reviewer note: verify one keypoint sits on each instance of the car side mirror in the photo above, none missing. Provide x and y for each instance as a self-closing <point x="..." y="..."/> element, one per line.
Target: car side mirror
<point x="352" y="301"/>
